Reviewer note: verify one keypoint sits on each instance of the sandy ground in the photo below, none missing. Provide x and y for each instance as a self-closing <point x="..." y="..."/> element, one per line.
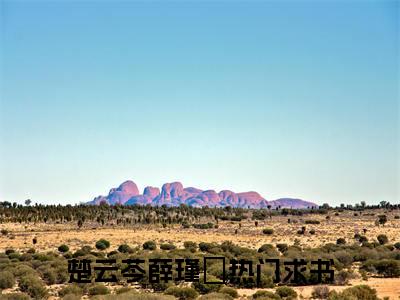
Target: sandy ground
<point x="50" y="236"/>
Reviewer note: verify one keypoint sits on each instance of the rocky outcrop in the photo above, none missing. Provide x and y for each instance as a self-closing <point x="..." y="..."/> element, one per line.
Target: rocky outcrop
<point x="174" y="194"/>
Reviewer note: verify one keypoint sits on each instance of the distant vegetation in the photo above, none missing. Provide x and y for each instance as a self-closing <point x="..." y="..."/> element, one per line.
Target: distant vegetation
<point x="183" y="214"/>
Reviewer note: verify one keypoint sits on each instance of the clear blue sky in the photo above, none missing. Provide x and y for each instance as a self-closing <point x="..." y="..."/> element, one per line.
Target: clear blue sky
<point x="290" y="99"/>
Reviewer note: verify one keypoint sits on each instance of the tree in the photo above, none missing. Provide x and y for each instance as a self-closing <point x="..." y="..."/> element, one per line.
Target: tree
<point x="382" y="219"/>
<point x="28" y="202"/>
<point x="80" y="223"/>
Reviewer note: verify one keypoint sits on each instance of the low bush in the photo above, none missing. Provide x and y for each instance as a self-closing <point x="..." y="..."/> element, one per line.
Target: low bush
<point x="229" y="291"/>
<point x="205" y="288"/>
<point x="98" y="289"/>
<point x="282" y="247"/>
<point x="340" y="241"/>
<point x="124" y="248"/>
<point x="316" y="222"/>
<point x="362" y="292"/>
<point x="384" y="267"/>
<point x="320" y="292"/>
<point x="265" y="295"/>
<point x="71" y="297"/>
<point x="206" y="247"/>
<point x="215" y="296"/>
<point x="382" y="239"/>
<point x="268" y="231"/>
<point x="286" y="292"/>
<point x="124" y="290"/>
<point x="208" y="225"/>
<point x="49" y="275"/>
<point x="265" y="248"/>
<point x="15" y="296"/>
<point x="33" y="286"/>
<point x="182" y="293"/>
<point x="191" y="246"/>
<point x="342" y="277"/>
<point x="149" y="245"/>
<point x="70" y="289"/>
<point x="7" y="280"/>
<point x="63" y="248"/>
<point x="102" y="244"/>
<point x="167" y="246"/>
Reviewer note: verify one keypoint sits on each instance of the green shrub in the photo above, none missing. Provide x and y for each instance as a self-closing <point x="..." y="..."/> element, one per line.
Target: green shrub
<point x="71" y="297"/>
<point x="102" y="244"/>
<point x="98" y="289"/>
<point x="192" y="246"/>
<point x="397" y="245"/>
<point x="266" y="248"/>
<point x="382" y="239"/>
<point x="265" y="295"/>
<point x="343" y="277"/>
<point x="282" y="247"/>
<point x="268" y="231"/>
<point x="182" y="293"/>
<point x="229" y="291"/>
<point x="208" y="225"/>
<point x="25" y="257"/>
<point x="7" y="280"/>
<point x="362" y="292"/>
<point x="316" y="222"/>
<point x="382" y="219"/>
<point x="124" y="248"/>
<point x="134" y="296"/>
<point x="344" y="257"/>
<point x="23" y="270"/>
<point x="33" y="286"/>
<point x="207" y="247"/>
<point x="167" y="246"/>
<point x="70" y="289"/>
<point x="340" y="241"/>
<point x="49" y="276"/>
<point x="320" y="292"/>
<point x="215" y="296"/>
<point x="9" y="251"/>
<point x="78" y="253"/>
<point x="385" y="267"/>
<point x="63" y="248"/>
<point x="149" y="245"/>
<point x="14" y="255"/>
<point x="205" y="288"/>
<point x="286" y="292"/>
<point x="124" y="290"/>
<point x="15" y="296"/>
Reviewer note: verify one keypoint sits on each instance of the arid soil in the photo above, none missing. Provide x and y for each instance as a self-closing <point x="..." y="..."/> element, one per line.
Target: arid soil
<point x="50" y="236"/>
